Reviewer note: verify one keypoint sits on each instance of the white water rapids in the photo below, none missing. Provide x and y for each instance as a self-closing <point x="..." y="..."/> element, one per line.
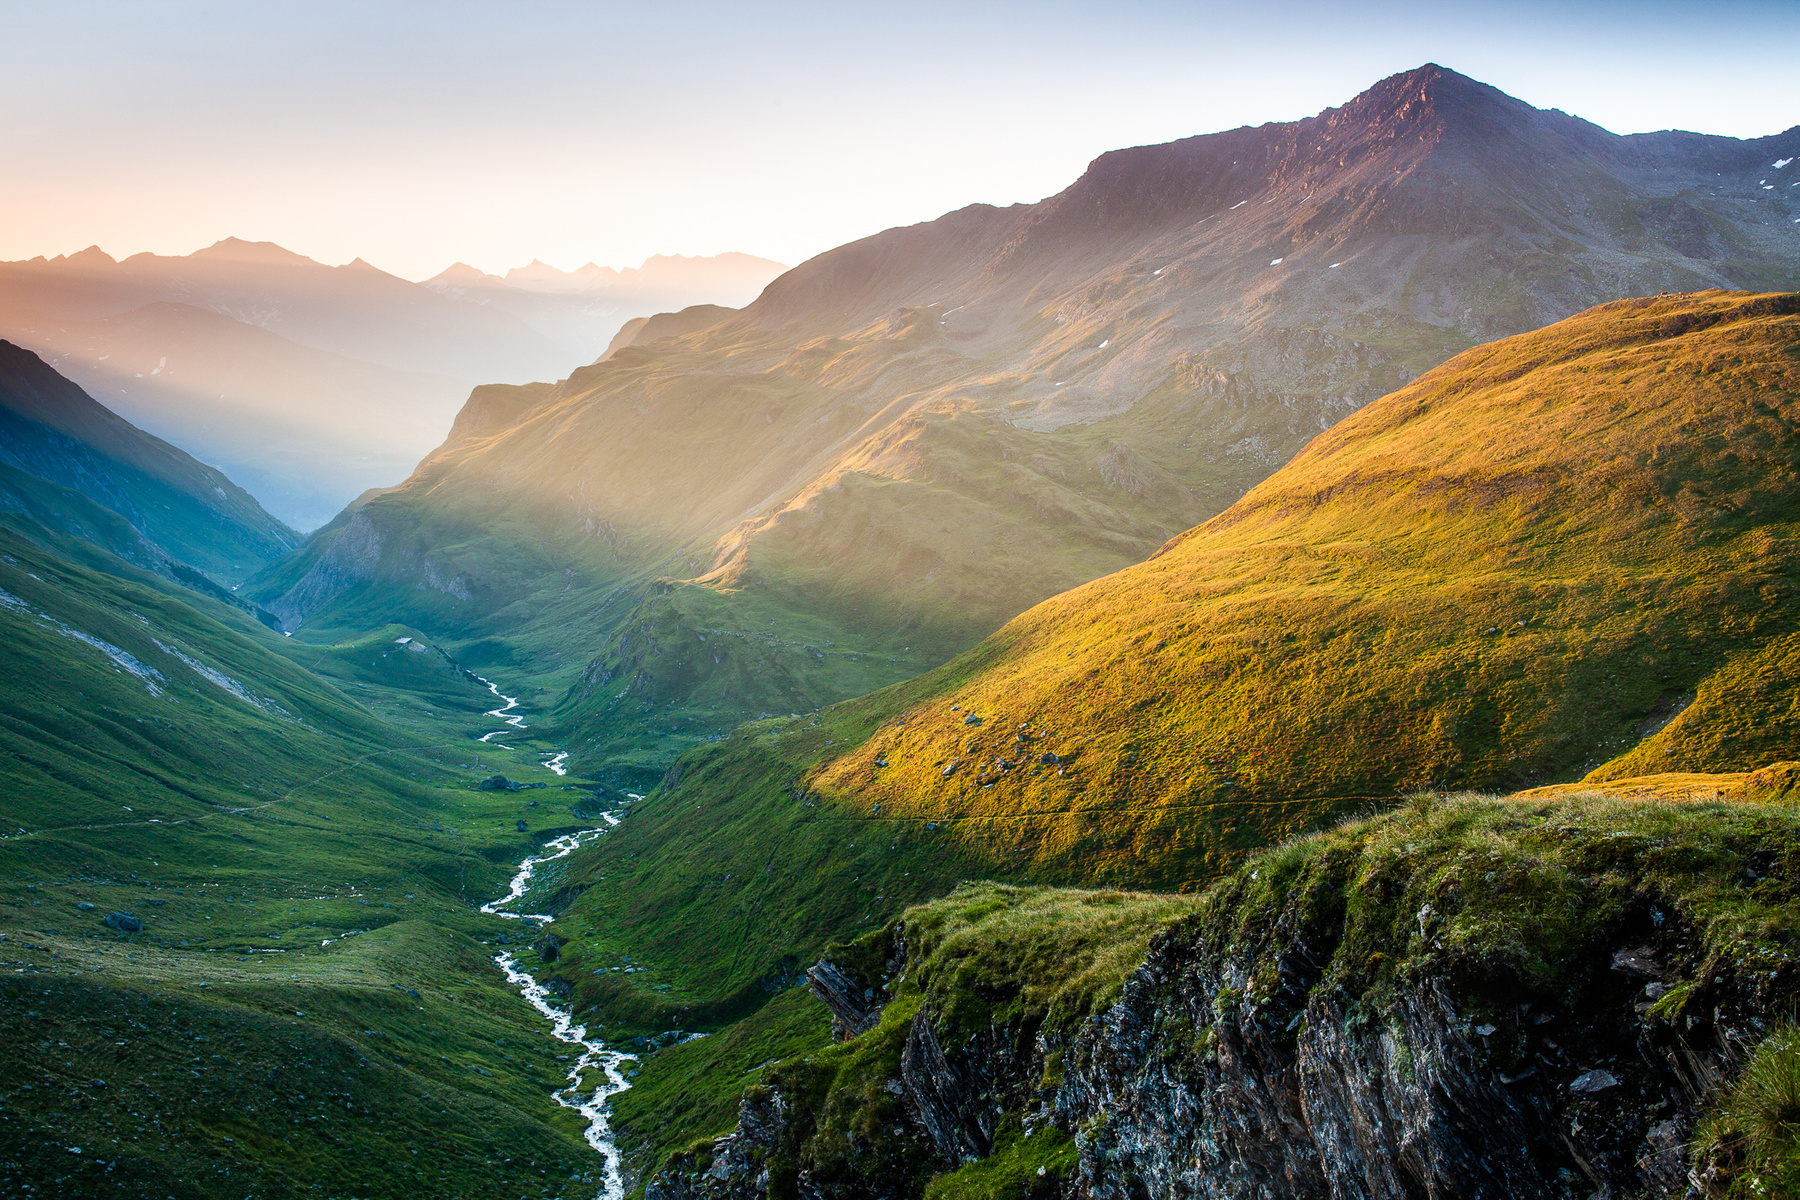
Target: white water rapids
<point x="587" y="1099"/>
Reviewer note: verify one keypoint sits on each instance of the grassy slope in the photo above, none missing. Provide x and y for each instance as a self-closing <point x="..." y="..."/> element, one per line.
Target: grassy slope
<point x="307" y="875"/>
<point x="1506" y="574"/>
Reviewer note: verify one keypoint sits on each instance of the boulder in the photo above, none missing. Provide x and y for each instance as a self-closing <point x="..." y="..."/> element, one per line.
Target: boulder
<point x="124" y="923"/>
<point x="496" y="783"/>
<point x="521" y="825"/>
<point x="549" y="947"/>
<point x="1590" y="1082"/>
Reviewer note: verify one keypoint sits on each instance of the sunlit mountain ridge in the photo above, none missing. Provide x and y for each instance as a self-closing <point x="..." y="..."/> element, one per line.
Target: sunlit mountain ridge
<point x="909" y="439"/>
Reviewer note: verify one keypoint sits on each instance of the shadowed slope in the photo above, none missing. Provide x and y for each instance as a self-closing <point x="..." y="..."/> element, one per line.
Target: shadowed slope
<point x="303" y="430"/>
<point x="51" y="429"/>
<point x="299" y="1000"/>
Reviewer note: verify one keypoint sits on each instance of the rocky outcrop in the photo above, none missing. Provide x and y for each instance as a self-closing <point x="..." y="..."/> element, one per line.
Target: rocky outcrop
<point x="351" y="558"/>
<point x="854" y="1008"/>
<point x="1255" y="1068"/>
<point x="738" y="1165"/>
<point x="1429" y="1098"/>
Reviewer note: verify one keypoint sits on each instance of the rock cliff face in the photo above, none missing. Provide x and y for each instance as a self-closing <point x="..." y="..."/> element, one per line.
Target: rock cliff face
<point x="1288" y="1050"/>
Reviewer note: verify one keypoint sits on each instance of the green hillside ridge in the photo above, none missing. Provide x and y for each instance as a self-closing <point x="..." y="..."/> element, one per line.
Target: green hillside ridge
<point x="310" y="1002"/>
<point x="908" y="440"/>
<point x="1513" y="571"/>
<point x="51" y="429"/>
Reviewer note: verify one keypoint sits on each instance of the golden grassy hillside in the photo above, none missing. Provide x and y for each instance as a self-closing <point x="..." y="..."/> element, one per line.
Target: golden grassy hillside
<point x="1522" y="568"/>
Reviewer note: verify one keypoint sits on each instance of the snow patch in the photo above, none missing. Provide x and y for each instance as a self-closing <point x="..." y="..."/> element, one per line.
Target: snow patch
<point x="1105" y="344"/>
<point x="1237" y="206"/>
<point x="1334" y="266"/>
<point x="1780" y="163"/>
<point x="1275" y="262"/>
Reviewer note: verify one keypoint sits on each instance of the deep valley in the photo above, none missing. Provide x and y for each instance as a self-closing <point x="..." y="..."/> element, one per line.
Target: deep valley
<point x="1273" y="672"/>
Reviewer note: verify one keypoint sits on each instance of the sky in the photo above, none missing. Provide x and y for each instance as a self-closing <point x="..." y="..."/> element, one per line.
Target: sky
<point x="413" y="135"/>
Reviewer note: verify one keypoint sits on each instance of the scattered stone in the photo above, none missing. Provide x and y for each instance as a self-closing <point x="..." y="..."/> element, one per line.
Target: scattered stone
<point x="1593" y="1082"/>
<point x="950" y="768"/>
<point x="124" y="923"/>
<point x="971" y="719"/>
<point x="522" y="826"/>
<point x="1049" y="760"/>
<point x="84" y="906"/>
<point x="1640" y="961"/>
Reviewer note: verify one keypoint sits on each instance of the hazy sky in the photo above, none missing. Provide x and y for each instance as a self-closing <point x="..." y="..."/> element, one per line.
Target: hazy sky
<point x="415" y="134"/>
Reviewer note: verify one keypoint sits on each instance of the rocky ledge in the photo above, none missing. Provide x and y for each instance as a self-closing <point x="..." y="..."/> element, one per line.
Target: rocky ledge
<point x="1467" y="998"/>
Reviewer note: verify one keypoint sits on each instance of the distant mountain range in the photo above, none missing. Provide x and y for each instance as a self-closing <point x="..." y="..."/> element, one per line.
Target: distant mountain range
<point x="907" y="440"/>
<point x="311" y="383"/>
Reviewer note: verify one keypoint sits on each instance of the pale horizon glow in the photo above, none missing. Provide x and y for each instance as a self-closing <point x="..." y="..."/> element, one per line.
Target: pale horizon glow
<point x="418" y="135"/>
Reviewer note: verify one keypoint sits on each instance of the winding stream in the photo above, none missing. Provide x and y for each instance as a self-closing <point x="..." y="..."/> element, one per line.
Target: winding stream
<point x="587" y="1098"/>
<point x="553" y="761"/>
<point x="512" y="702"/>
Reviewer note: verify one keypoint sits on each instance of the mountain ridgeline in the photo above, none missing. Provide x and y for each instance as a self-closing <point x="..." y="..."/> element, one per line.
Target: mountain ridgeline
<point x="309" y="383"/>
<point x="908" y="440"/>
